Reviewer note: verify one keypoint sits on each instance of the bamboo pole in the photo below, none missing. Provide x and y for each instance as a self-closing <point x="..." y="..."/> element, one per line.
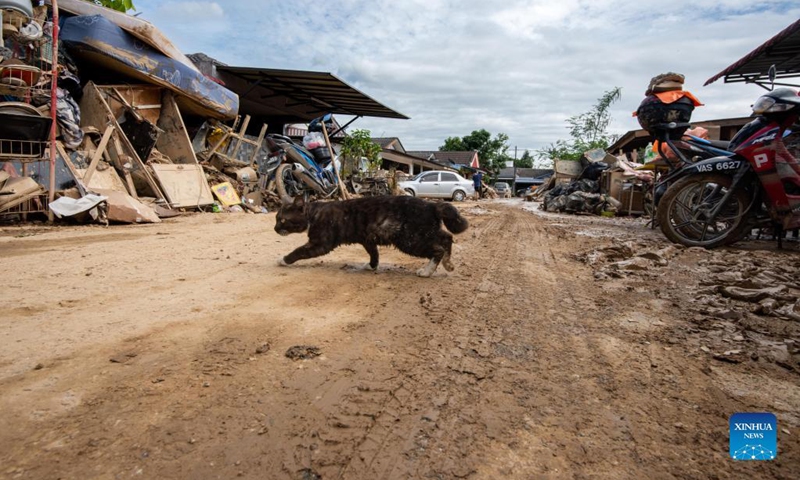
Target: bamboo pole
<point x="342" y="188"/>
<point x="53" y="108"/>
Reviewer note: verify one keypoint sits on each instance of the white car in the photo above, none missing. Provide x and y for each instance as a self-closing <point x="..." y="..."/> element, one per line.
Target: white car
<point x="439" y="184"/>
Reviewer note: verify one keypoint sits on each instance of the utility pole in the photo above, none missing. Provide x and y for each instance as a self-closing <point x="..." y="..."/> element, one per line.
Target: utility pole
<point x="514" y="182"/>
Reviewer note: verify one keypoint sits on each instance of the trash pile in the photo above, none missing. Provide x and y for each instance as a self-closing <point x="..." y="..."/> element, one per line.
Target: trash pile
<point x="598" y="184"/>
<point x="123" y="153"/>
<point x="580" y="196"/>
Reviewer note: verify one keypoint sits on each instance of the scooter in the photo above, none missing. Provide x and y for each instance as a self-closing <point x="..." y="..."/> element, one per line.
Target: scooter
<point x="305" y="170"/>
<point x="717" y="201"/>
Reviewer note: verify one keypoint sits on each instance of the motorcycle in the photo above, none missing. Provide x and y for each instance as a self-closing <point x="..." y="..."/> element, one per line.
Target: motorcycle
<point x="305" y="170"/>
<point x="717" y="201"/>
<point x="680" y="153"/>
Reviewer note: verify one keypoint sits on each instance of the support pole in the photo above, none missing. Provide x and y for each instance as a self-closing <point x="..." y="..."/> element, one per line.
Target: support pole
<point x="514" y="181"/>
<point x="53" y="108"/>
<point x="342" y="188"/>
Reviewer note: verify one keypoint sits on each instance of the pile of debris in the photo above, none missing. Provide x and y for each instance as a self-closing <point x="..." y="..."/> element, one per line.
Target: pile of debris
<point x="598" y="184"/>
<point x="766" y="285"/>
<point x="122" y="143"/>
<point x="580" y="196"/>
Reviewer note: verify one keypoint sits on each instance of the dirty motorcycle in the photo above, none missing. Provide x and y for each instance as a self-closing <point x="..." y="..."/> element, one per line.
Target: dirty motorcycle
<point x="306" y="170"/>
<point x="717" y="201"/>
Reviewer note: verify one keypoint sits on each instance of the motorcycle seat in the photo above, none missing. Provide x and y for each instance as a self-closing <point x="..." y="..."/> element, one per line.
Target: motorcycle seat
<point x="722" y="144"/>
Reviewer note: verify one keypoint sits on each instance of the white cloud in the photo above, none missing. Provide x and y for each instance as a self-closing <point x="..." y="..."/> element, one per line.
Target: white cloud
<point x="521" y="67"/>
<point x="185" y="12"/>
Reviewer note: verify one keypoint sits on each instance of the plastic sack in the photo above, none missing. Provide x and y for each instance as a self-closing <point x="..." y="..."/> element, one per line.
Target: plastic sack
<point x="314" y="140"/>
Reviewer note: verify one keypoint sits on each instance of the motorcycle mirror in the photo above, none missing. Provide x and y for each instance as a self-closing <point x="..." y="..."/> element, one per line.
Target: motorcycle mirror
<point x="772" y="74"/>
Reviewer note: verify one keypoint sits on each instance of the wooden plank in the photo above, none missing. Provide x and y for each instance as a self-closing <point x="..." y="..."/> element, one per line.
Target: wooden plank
<point x="68" y="162"/>
<point x="258" y="144"/>
<point x="98" y="154"/>
<point x="127" y="104"/>
<point x="241" y="136"/>
<point x="174" y="142"/>
<point x="123" y="159"/>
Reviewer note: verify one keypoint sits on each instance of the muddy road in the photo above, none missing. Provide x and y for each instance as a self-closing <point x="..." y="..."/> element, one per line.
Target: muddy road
<point x="160" y="352"/>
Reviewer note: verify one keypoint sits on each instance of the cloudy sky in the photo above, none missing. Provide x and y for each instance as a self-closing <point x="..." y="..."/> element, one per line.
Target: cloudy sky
<point x="520" y="67"/>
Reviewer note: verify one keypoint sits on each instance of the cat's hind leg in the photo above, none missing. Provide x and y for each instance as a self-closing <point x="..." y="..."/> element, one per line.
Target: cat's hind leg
<point x="428" y="270"/>
<point x="372" y="249"/>
<point x="446" y="242"/>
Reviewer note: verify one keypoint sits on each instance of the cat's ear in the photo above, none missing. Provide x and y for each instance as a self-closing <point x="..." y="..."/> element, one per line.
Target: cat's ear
<point x="299" y="201"/>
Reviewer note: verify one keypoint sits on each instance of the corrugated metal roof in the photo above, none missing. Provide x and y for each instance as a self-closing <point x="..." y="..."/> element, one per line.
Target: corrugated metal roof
<point x="268" y="91"/>
<point x="782" y="50"/>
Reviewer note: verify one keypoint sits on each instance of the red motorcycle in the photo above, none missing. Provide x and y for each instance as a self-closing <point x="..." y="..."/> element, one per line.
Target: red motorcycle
<point x="718" y="201"/>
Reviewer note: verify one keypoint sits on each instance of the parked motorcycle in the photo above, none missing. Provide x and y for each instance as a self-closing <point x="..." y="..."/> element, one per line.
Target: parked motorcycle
<point x="717" y="201"/>
<point x="305" y="170"/>
<point x="678" y="154"/>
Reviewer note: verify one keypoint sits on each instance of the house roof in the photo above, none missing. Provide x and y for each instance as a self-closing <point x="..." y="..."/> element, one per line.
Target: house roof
<point x="401" y="157"/>
<point x="392" y="143"/>
<point x="636" y="139"/>
<point x="464" y="158"/>
<point x="782" y="50"/>
<point x="508" y="172"/>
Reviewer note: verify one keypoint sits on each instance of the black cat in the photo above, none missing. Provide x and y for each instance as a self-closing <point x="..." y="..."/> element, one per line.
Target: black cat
<point x="412" y="225"/>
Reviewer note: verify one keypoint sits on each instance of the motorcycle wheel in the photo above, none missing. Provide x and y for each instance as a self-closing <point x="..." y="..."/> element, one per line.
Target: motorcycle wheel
<point x="288" y="187"/>
<point x="684" y="209"/>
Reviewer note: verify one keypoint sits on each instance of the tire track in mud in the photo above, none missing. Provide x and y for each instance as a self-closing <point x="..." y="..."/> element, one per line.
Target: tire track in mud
<point x="427" y="432"/>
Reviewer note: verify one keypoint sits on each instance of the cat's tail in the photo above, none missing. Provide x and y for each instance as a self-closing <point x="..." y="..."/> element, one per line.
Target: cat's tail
<point x="451" y="218"/>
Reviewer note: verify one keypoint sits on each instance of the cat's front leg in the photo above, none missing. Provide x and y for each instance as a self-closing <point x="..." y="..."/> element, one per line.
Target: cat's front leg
<point x="309" y="250"/>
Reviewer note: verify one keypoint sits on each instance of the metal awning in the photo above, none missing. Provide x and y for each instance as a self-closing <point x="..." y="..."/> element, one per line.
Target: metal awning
<point x="298" y="96"/>
<point x="782" y="50"/>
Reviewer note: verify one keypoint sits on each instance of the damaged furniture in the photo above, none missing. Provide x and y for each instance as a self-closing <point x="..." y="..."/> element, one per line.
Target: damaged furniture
<point x="144" y="151"/>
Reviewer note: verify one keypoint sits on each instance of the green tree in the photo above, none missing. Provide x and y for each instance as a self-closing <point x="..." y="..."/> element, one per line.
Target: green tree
<point x="357" y="145"/>
<point x="119" y="5"/>
<point x="588" y="130"/>
<point x="526" y="160"/>
<point x="492" y="152"/>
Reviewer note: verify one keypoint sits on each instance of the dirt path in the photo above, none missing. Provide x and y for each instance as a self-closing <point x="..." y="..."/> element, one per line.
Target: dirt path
<point x="158" y="352"/>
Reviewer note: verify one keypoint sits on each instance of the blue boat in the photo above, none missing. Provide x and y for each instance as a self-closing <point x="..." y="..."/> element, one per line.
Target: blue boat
<point x="96" y="41"/>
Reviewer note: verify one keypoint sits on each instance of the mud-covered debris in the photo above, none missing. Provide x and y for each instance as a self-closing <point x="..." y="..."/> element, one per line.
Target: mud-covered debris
<point x="633" y="264"/>
<point x="732" y="356"/>
<point x="303" y="352"/>
<point x="792" y="312"/>
<point x="767" y="306"/>
<point x="263" y="348"/>
<point x="752" y="295"/>
<point x="122" y="357"/>
<point x="308" y="474"/>
<point x="616" y="252"/>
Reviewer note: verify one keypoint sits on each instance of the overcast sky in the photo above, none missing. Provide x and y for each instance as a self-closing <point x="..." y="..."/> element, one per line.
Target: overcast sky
<point x="520" y="67"/>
